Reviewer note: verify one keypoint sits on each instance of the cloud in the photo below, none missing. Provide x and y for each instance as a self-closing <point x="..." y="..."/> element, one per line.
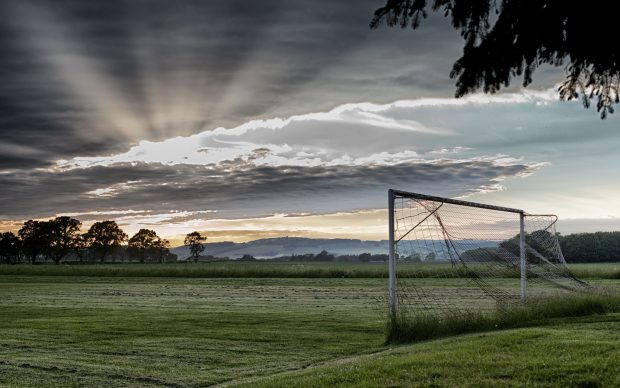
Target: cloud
<point x="104" y="213"/>
<point x="343" y="159"/>
<point x="109" y="74"/>
<point x="238" y="188"/>
<point x="344" y="135"/>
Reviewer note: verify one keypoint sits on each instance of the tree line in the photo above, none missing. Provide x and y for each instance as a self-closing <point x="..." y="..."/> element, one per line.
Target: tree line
<point x="329" y="257"/>
<point x="598" y="247"/>
<point x="322" y="256"/>
<point x="601" y="247"/>
<point x="61" y="239"/>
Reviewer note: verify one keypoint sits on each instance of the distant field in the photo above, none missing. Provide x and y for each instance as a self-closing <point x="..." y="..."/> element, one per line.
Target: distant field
<point x="270" y="269"/>
<point x="140" y="331"/>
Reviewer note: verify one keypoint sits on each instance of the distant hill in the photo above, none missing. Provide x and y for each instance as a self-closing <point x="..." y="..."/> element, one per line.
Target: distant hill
<point x="281" y="246"/>
<point x="286" y="246"/>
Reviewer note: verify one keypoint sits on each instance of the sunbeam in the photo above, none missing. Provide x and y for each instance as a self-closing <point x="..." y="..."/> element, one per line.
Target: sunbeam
<point x="45" y="31"/>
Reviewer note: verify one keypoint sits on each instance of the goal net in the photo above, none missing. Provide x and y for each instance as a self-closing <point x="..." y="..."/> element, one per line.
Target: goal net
<point x="451" y="257"/>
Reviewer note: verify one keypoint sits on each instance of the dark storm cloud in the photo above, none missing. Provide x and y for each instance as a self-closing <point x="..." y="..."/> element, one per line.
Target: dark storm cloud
<point x="236" y="188"/>
<point x="39" y="110"/>
<point x="88" y="78"/>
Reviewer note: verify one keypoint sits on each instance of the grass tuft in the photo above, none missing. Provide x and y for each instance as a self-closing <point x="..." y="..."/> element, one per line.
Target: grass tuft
<point x="532" y="313"/>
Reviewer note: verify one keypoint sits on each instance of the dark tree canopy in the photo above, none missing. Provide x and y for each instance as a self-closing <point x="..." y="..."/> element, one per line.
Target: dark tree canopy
<point x="591" y="247"/>
<point x="10" y="246"/>
<point x="104" y="236"/>
<point x="162" y="249"/>
<point x="194" y="241"/>
<point x="63" y="235"/>
<point x="35" y="238"/>
<point x="142" y="242"/>
<point x="512" y="38"/>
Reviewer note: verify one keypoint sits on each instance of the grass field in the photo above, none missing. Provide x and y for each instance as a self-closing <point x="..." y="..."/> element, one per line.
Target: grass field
<point x="157" y="331"/>
<point x="233" y="269"/>
<point x="136" y="331"/>
<point x="580" y="352"/>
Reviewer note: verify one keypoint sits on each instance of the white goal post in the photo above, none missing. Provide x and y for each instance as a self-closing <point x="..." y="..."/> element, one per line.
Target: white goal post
<point x="448" y="255"/>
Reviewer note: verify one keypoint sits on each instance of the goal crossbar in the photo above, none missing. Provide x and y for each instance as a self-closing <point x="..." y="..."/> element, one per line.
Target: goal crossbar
<point x="400" y="193"/>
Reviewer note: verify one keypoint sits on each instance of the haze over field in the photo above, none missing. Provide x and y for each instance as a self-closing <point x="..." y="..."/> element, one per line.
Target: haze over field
<point x="254" y="120"/>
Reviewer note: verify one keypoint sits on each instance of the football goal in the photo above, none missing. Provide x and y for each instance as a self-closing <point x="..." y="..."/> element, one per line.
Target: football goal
<point x="451" y="257"/>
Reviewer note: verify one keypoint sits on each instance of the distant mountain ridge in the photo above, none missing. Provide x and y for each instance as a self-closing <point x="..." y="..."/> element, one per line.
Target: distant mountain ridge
<point x="286" y="246"/>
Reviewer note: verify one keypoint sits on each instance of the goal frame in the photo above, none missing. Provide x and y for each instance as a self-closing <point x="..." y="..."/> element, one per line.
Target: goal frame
<point x="392" y="194"/>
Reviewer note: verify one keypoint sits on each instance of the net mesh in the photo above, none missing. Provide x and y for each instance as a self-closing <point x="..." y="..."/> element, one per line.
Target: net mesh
<point x="453" y="259"/>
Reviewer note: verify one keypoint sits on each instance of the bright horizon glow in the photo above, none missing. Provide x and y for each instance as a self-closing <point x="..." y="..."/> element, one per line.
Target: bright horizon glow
<point x="369" y="224"/>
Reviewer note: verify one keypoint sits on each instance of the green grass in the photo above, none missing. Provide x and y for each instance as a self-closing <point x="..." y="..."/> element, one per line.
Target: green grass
<point x="535" y="312"/>
<point x="575" y="352"/>
<point x="596" y="271"/>
<point x="206" y="270"/>
<point x="275" y="269"/>
<point x="64" y="331"/>
<point x="154" y="331"/>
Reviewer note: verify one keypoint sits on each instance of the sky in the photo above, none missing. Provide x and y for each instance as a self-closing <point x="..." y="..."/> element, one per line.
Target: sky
<point x="247" y="120"/>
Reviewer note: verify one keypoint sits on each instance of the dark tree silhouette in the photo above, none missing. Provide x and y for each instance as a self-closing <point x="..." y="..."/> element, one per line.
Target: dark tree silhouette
<point x="63" y="235"/>
<point x="35" y="239"/>
<point x="508" y="38"/>
<point x="105" y="236"/>
<point x="324" y="256"/>
<point x="539" y="240"/>
<point x="81" y="245"/>
<point x="365" y="257"/>
<point x="194" y="242"/>
<point x="10" y="246"/>
<point x="141" y="243"/>
<point x="591" y="247"/>
<point x="161" y="248"/>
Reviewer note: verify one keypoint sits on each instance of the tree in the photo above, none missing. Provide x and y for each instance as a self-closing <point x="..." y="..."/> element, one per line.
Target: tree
<point x="591" y="247"/>
<point x="541" y="241"/>
<point x="63" y="236"/>
<point x="81" y="245"/>
<point x="35" y="238"/>
<point x="365" y="257"/>
<point x="430" y="257"/>
<point x="143" y="242"/>
<point x="194" y="242"/>
<point x="414" y="257"/>
<point x="104" y="236"/>
<point x="481" y="255"/>
<point x="162" y="249"/>
<point x="508" y="38"/>
<point x="324" y="256"/>
<point x="9" y="247"/>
